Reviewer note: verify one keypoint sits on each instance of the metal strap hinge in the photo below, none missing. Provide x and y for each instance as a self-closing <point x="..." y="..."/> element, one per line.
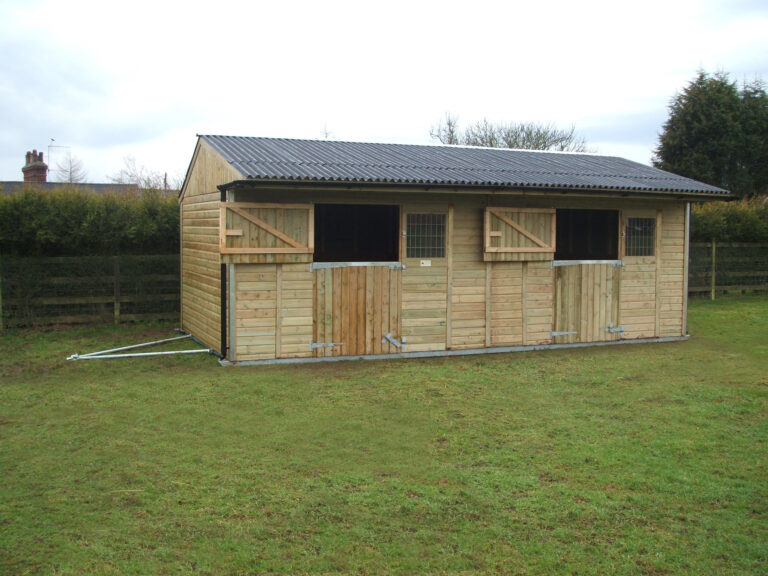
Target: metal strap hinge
<point x="616" y="330"/>
<point x="554" y="334"/>
<point x="316" y="345"/>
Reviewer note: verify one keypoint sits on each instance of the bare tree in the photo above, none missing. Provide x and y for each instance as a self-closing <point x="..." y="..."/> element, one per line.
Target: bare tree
<point x="447" y="131"/>
<point x="132" y="173"/>
<point x="71" y="170"/>
<point x="520" y="135"/>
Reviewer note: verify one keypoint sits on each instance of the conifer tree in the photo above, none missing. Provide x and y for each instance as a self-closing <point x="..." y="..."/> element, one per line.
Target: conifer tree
<point x="718" y="134"/>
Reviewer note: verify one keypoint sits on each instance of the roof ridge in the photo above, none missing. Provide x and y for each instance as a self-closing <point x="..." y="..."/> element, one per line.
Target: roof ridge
<point x="424" y="145"/>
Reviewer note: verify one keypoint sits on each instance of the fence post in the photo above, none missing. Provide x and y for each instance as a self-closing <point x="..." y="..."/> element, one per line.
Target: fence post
<point x="1" y="294"/>
<point x="714" y="267"/>
<point x="117" y="290"/>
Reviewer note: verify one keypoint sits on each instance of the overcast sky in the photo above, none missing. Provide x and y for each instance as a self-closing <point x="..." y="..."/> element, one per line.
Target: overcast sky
<point x="142" y="78"/>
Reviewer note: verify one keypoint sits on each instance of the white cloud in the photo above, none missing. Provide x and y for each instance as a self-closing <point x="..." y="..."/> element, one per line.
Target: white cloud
<point x="143" y="80"/>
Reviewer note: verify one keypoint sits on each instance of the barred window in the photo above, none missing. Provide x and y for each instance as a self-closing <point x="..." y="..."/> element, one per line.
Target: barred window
<point x="640" y="236"/>
<point x="425" y="235"/>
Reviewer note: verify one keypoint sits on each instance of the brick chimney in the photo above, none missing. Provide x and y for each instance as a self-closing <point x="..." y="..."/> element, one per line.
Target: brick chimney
<point x="35" y="170"/>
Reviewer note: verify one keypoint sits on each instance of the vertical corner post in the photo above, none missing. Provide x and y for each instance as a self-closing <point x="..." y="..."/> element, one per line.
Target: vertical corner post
<point x="713" y="285"/>
<point x="116" y="260"/>
<point x="1" y="294"/>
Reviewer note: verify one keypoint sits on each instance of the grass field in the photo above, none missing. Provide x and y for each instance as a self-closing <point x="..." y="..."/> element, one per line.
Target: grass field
<point x="648" y="459"/>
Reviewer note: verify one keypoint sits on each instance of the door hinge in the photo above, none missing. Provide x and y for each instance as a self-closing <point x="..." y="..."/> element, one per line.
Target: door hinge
<point x="616" y="330"/>
<point x="554" y="334"/>
<point x="316" y="345"/>
<point x="393" y="341"/>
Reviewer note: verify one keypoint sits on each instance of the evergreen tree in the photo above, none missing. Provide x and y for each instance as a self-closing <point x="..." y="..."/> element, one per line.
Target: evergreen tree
<point x="754" y="122"/>
<point x="717" y="134"/>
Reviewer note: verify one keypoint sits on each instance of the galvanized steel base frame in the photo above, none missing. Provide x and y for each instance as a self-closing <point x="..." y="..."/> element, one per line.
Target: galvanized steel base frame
<point x="444" y="353"/>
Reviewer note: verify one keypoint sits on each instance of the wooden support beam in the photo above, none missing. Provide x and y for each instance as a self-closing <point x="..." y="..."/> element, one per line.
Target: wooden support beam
<point x="523" y="297"/>
<point x="659" y="256"/>
<point x="488" y="296"/>
<point x="686" y="256"/>
<point x="449" y="273"/>
<point x="279" y="311"/>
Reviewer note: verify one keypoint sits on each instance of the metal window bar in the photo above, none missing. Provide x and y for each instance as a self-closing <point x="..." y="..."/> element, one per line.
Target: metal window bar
<point x="640" y="236"/>
<point x="425" y="234"/>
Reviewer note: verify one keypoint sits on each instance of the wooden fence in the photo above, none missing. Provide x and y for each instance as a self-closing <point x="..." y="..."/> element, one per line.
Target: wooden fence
<point x="49" y="291"/>
<point x="82" y="290"/>
<point x="727" y="267"/>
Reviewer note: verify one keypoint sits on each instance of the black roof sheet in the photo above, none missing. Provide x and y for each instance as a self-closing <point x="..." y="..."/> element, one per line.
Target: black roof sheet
<point x="278" y="159"/>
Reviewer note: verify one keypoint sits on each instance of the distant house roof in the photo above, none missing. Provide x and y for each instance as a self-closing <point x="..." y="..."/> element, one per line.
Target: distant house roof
<point x="323" y="161"/>
<point x="14" y="187"/>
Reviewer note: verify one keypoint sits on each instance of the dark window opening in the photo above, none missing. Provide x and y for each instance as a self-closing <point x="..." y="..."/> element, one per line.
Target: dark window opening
<point x="356" y="233"/>
<point x="587" y="235"/>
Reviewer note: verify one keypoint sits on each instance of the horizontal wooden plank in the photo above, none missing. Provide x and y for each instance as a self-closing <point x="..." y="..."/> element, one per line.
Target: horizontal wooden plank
<point x="436" y="313"/>
<point x="422" y="330"/>
<point x="412" y="322"/>
<point x="416" y="297"/>
<point x="417" y="346"/>
<point x="266" y="250"/>
<point x="257" y="313"/>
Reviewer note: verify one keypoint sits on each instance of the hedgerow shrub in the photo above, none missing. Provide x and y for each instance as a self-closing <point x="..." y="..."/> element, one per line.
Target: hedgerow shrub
<point x="71" y="221"/>
<point x="738" y="221"/>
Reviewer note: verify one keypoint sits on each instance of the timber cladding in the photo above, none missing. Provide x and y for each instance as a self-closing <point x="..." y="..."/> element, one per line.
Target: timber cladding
<point x="457" y="301"/>
<point x="200" y="258"/>
<point x="461" y="300"/>
<point x="461" y="270"/>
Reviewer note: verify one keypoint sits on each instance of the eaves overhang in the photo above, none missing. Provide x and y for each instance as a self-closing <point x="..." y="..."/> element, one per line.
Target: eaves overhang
<point x="480" y="188"/>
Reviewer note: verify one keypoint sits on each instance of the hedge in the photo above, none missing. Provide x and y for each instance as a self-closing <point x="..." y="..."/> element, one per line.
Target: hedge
<point x="738" y="221"/>
<point x="71" y="221"/>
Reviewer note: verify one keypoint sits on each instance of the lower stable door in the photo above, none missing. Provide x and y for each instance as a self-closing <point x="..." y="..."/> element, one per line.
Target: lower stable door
<point x="357" y="310"/>
<point x="586" y="305"/>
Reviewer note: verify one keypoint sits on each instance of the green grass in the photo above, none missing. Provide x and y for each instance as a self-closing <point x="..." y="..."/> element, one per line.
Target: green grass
<point x="648" y="459"/>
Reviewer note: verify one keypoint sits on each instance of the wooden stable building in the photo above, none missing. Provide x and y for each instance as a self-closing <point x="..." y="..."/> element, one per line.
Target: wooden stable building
<point x="307" y="249"/>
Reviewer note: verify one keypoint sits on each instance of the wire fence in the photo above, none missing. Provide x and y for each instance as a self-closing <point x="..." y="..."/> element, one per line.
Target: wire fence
<point x="83" y="290"/>
<point x="715" y="267"/>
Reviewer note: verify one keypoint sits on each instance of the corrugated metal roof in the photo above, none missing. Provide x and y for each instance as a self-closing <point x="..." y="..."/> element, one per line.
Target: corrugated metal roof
<point x="366" y="163"/>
